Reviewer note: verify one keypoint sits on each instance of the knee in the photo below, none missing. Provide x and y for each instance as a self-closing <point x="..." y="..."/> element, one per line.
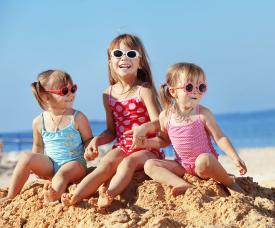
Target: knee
<point x="25" y="159"/>
<point x="127" y="163"/>
<point x="203" y="164"/>
<point x="149" y="166"/>
<point x="107" y="165"/>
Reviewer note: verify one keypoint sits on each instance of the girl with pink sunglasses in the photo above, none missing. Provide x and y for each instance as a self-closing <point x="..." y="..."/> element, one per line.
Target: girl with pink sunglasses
<point x="189" y="127"/>
<point x="59" y="136"/>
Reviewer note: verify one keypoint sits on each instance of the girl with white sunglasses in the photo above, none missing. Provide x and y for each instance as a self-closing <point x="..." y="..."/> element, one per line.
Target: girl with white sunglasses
<point x="129" y="101"/>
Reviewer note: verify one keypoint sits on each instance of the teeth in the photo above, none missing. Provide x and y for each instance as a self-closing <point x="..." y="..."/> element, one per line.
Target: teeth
<point x="124" y="66"/>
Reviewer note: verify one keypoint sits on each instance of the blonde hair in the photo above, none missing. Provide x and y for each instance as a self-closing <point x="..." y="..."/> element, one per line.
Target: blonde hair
<point x="175" y="73"/>
<point x="49" y="79"/>
<point x="144" y="74"/>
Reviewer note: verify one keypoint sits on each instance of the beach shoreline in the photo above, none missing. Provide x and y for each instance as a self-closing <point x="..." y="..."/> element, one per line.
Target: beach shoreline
<point x="259" y="161"/>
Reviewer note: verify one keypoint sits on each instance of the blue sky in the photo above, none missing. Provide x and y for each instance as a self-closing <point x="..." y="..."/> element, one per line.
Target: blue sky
<point x="233" y="41"/>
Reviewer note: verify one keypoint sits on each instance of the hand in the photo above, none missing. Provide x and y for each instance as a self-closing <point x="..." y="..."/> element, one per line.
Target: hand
<point x="91" y="151"/>
<point x="139" y="136"/>
<point x="240" y="165"/>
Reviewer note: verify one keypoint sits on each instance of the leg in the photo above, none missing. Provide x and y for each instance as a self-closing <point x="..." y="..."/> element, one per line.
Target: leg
<point x="124" y="175"/>
<point x="68" y="173"/>
<point x="167" y="172"/>
<point x="37" y="163"/>
<point x="207" y="166"/>
<point x="89" y="185"/>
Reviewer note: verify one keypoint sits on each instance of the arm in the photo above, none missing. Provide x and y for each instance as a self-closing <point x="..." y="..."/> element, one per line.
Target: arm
<point x="106" y="136"/>
<point x="162" y="139"/>
<point x="37" y="146"/>
<point x="221" y="140"/>
<point x="83" y="126"/>
<point x="139" y="133"/>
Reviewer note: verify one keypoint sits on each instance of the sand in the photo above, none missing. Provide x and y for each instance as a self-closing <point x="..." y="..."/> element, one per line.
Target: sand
<point x="147" y="203"/>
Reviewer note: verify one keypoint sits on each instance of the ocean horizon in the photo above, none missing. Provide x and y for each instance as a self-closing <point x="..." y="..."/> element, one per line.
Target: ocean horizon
<point x="245" y="130"/>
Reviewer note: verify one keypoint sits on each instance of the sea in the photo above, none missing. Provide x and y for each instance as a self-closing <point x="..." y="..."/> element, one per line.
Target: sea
<point x="245" y="130"/>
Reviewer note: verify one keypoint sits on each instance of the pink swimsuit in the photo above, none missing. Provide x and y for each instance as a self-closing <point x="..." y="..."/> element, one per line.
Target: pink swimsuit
<point x="127" y="114"/>
<point x="189" y="141"/>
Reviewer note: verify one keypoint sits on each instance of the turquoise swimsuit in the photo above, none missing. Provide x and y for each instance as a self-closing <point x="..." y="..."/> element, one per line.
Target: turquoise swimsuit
<point x="64" y="145"/>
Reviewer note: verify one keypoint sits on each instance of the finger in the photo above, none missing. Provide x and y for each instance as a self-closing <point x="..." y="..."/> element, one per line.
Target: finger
<point x="129" y="132"/>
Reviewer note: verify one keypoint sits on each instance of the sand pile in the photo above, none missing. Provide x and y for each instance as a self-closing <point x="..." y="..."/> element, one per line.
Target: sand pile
<point x="147" y="203"/>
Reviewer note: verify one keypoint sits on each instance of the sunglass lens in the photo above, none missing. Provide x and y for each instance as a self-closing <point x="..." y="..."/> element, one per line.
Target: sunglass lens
<point x="189" y="88"/>
<point x="65" y="90"/>
<point x="202" y="88"/>
<point x="117" y="53"/>
<point x="131" y="54"/>
<point x="74" y="89"/>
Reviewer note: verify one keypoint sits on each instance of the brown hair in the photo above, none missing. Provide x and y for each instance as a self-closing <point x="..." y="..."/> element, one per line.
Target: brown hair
<point x="49" y="79"/>
<point x="189" y="71"/>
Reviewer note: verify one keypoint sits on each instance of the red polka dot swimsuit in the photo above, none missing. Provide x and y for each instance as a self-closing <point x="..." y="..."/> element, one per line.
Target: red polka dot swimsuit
<point x="128" y="114"/>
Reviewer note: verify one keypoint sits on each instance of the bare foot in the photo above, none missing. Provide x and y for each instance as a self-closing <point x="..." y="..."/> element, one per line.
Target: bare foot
<point x="180" y="190"/>
<point x="50" y="195"/>
<point x="104" y="199"/>
<point x="69" y="199"/>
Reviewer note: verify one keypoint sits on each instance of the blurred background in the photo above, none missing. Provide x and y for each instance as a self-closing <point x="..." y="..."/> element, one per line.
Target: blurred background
<point x="233" y="41"/>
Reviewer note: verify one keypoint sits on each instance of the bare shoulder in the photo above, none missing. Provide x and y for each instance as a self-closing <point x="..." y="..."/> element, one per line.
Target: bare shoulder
<point x="80" y="116"/>
<point x="205" y="113"/>
<point x="36" y="123"/>
<point x="80" y="120"/>
<point x="146" y="90"/>
<point x="163" y="118"/>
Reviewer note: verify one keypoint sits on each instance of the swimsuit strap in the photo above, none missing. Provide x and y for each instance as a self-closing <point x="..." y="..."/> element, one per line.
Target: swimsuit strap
<point x="42" y="122"/>
<point x="169" y="119"/>
<point x="140" y="86"/>
<point x="75" y="113"/>
<point x="110" y="93"/>
<point x="197" y="110"/>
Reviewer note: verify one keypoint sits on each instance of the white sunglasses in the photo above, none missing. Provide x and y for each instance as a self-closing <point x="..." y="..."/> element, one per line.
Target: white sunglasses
<point x="131" y="54"/>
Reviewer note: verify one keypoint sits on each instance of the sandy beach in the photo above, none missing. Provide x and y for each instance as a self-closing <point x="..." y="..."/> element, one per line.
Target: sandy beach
<point x="149" y="204"/>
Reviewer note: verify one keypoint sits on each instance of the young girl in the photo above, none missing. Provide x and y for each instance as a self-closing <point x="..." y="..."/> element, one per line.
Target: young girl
<point x="189" y="127"/>
<point x="130" y="100"/>
<point x="59" y="135"/>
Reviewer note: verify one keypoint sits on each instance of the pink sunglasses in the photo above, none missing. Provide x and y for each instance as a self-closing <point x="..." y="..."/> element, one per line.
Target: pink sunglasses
<point x="189" y="87"/>
<point x="63" y="90"/>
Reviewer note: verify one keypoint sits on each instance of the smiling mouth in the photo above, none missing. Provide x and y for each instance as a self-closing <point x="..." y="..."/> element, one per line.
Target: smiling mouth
<point x="124" y="66"/>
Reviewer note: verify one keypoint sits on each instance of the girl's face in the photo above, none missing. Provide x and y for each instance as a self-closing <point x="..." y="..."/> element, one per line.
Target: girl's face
<point x="189" y="93"/>
<point x="126" y="64"/>
<point x="58" y="100"/>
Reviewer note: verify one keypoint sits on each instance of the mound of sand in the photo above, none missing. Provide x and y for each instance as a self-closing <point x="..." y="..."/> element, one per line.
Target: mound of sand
<point x="147" y="203"/>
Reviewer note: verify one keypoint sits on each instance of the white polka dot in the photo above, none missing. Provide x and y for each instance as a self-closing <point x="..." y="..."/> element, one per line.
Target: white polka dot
<point x="126" y="113"/>
<point x="135" y="125"/>
<point x="120" y="118"/>
<point x="126" y="122"/>
<point x="140" y="110"/>
<point x="115" y="114"/>
<point x="141" y="119"/>
<point x="133" y="116"/>
<point x="121" y="128"/>
<point x="119" y="108"/>
<point x="124" y="102"/>
<point x="132" y="106"/>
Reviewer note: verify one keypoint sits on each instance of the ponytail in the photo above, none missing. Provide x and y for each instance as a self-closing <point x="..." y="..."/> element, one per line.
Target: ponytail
<point x="165" y="97"/>
<point x="37" y="91"/>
